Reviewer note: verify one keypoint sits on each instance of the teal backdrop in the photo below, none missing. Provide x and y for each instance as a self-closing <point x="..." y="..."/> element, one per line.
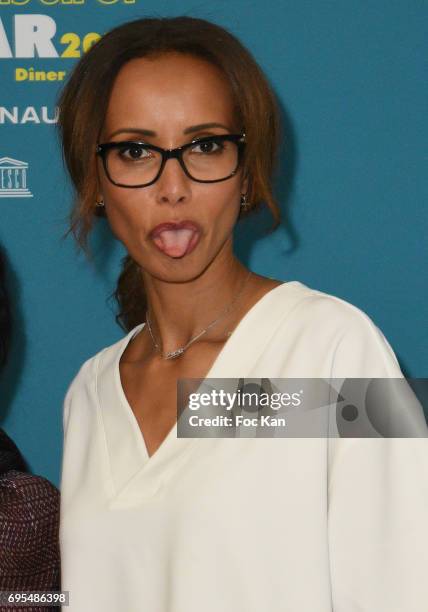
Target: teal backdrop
<point x="351" y="80"/>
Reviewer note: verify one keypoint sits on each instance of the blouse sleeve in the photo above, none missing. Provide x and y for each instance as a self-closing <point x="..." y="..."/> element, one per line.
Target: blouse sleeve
<point x="377" y="498"/>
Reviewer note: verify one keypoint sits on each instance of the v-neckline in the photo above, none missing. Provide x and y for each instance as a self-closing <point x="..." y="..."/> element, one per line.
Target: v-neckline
<point x="133" y="475"/>
<point x="216" y="365"/>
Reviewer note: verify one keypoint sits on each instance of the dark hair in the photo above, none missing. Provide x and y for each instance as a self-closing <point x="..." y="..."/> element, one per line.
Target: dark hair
<point x="5" y="314"/>
<point x="83" y="105"/>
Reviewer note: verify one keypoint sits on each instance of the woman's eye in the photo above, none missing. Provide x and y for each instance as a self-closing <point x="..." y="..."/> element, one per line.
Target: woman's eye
<point x="134" y="152"/>
<point x="211" y="146"/>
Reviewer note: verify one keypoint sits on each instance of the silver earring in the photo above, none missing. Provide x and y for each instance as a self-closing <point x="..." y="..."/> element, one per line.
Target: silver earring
<point x="244" y="202"/>
<point x="99" y="204"/>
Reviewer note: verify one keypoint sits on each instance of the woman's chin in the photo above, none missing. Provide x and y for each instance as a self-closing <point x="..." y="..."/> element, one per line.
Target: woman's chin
<point x="176" y="270"/>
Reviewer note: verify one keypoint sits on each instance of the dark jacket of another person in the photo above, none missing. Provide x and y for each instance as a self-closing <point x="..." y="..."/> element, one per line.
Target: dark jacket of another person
<point x="29" y="507"/>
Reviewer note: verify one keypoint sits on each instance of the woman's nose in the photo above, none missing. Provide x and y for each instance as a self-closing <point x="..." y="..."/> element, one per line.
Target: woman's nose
<point x="173" y="186"/>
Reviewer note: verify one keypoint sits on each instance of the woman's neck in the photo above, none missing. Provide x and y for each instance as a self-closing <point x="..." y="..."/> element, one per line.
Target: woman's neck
<point x="179" y="311"/>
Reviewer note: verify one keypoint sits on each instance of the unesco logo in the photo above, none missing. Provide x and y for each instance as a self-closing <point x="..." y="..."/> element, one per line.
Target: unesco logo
<point x="13" y="178"/>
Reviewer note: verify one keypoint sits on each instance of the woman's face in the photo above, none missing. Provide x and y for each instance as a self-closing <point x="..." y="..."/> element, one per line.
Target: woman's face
<point x="169" y="95"/>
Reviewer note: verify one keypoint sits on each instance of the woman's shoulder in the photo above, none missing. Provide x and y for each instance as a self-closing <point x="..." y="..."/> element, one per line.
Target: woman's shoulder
<point x="26" y="493"/>
<point x="316" y="307"/>
<point x="103" y="363"/>
<point x="357" y="345"/>
<point x="101" y="359"/>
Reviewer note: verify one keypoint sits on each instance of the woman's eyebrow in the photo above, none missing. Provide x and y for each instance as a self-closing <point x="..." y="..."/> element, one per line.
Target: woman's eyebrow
<point x="189" y="130"/>
<point x="203" y="126"/>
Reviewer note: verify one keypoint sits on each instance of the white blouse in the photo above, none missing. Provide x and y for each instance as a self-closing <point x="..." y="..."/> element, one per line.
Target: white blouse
<point x="245" y="524"/>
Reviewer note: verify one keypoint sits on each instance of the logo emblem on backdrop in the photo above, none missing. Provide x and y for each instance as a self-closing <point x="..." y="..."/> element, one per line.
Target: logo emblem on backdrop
<point x="13" y="178"/>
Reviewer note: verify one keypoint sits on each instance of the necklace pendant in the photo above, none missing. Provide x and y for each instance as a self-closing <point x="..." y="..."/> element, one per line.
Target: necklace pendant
<point x="174" y="354"/>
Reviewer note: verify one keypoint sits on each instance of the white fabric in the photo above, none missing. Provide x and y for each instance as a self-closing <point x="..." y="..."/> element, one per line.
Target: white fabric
<point x="245" y="525"/>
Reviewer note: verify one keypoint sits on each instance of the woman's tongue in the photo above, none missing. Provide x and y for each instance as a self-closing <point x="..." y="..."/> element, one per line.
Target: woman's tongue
<point x="174" y="242"/>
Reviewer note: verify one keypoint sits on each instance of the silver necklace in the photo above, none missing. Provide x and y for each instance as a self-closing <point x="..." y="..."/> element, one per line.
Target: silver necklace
<point x="180" y="351"/>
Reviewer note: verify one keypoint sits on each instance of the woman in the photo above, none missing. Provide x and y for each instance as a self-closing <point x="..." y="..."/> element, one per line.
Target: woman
<point x="29" y="505"/>
<point x="151" y="521"/>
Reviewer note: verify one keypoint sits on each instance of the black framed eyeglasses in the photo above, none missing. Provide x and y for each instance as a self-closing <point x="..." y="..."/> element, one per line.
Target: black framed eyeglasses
<point x="209" y="159"/>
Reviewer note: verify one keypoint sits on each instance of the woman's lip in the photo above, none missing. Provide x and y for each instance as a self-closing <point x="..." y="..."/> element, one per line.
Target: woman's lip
<point x="171" y="225"/>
